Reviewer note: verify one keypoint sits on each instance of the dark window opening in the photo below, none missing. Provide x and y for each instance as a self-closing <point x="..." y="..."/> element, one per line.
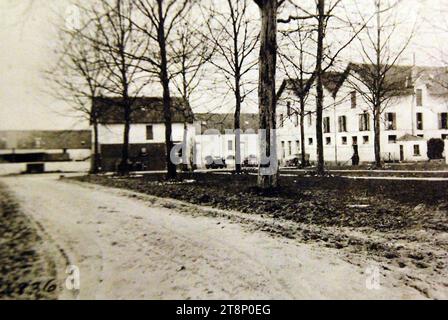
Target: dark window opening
<point x="419" y="121"/>
<point x="392" y="138"/>
<point x="149" y="133"/>
<point x="416" y="150"/>
<point x="443" y="120"/>
<point x="326" y="124"/>
<point x="353" y="99"/>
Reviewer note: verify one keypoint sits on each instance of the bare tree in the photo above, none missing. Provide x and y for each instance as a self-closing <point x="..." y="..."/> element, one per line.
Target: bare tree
<point x="118" y="43"/>
<point x="190" y="54"/>
<point x="78" y="77"/>
<point x="298" y="64"/>
<point x="268" y="167"/>
<point x="161" y="18"/>
<point x="231" y="32"/>
<point x="378" y="80"/>
<point x="327" y="52"/>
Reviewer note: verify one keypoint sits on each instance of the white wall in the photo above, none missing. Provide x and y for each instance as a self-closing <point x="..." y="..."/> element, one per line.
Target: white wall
<point x="217" y="145"/>
<point x="404" y="107"/>
<point x="113" y="134"/>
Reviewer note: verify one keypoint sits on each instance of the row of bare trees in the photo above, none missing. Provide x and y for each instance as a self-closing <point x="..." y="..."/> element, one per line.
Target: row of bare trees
<point x="120" y="47"/>
<point x="306" y="54"/>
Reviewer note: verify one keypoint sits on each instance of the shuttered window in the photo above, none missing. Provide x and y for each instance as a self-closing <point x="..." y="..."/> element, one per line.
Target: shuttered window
<point x="364" y="122"/>
<point x="342" y="120"/>
<point x="391" y="121"/>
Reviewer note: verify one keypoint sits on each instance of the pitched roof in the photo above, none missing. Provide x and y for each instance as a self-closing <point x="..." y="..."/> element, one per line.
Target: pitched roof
<point x="45" y="139"/>
<point x="435" y="78"/>
<point x="399" y="79"/>
<point x="225" y="121"/>
<point x="331" y="80"/>
<point x="410" y="137"/>
<point x="144" y="110"/>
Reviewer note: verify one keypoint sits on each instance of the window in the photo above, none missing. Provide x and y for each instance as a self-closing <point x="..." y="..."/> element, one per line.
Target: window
<point x="416" y="150"/>
<point x="419" y="97"/>
<point x="310" y="119"/>
<point x="288" y="108"/>
<point x="364" y="122"/>
<point x="444" y="136"/>
<point x="419" y="121"/>
<point x="296" y="119"/>
<point x="149" y="133"/>
<point x="289" y="148"/>
<point x="392" y="138"/>
<point x="354" y="140"/>
<point x="421" y="135"/>
<point x="283" y="149"/>
<point x="326" y="124"/>
<point x="281" y="120"/>
<point x="230" y="145"/>
<point x="342" y="120"/>
<point x="328" y="140"/>
<point x="391" y="121"/>
<point x="297" y="146"/>
<point x="443" y="120"/>
<point x="310" y="141"/>
<point x="365" y="139"/>
<point x="353" y="99"/>
<point x="344" y="140"/>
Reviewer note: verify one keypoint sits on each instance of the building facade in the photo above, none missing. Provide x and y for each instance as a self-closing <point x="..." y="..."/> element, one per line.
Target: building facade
<point x="408" y="120"/>
<point x="44" y="145"/>
<point x="147" y="132"/>
<point x="215" y="137"/>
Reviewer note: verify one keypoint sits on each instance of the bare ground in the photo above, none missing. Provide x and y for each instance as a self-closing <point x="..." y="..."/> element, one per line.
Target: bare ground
<point x="27" y="270"/>
<point x="130" y="245"/>
<point x="401" y="225"/>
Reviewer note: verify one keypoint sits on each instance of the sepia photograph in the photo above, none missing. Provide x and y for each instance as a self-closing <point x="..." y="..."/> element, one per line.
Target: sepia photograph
<point x="202" y="151"/>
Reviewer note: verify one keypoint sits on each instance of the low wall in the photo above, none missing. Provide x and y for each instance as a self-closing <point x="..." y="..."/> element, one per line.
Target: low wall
<point x="69" y="166"/>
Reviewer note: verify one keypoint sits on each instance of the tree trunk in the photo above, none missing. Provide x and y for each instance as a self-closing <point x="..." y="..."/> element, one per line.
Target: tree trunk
<point x="319" y="89"/>
<point x="302" y="131"/>
<point x="171" y="167"/>
<point x="184" y="147"/>
<point x="96" y="154"/>
<point x="377" y="138"/>
<point x="268" y="167"/>
<point x="237" y="127"/>
<point x="123" y="168"/>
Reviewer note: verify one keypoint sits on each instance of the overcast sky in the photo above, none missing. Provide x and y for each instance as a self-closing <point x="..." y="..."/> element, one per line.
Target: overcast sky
<point x="27" y="35"/>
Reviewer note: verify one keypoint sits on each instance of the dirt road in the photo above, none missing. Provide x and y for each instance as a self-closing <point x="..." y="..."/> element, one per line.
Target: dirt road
<point x="128" y="248"/>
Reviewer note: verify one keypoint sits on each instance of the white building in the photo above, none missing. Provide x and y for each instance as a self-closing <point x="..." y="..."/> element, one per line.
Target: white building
<point x="409" y="120"/>
<point x="215" y="136"/>
<point x="147" y="131"/>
